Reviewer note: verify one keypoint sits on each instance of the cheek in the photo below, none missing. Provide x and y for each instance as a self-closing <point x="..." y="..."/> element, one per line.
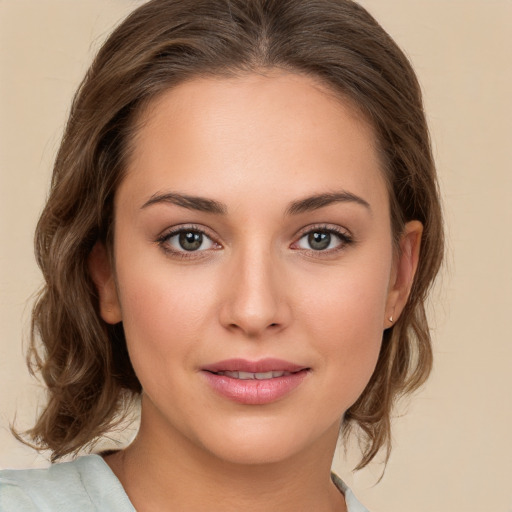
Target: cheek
<point x="345" y="318"/>
<point x="164" y="313"/>
<point x="349" y="302"/>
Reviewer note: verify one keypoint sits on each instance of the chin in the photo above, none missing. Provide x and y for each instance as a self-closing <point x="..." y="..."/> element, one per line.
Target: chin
<point x="267" y="443"/>
<point x="255" y="453"/>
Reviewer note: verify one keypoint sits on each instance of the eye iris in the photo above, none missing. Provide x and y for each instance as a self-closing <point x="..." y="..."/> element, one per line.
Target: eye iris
<point x="319" y="240"/>
<point x="190" y="240"/>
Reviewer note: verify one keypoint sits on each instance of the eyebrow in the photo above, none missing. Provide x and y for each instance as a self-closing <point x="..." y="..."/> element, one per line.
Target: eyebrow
<point x="320" y="200"/>
<point x="307" y="204"/>
<point x="201" y="204"/>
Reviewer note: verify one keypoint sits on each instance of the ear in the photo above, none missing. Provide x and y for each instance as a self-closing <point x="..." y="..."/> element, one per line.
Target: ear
<point x="102" y="274"/>
<point x="404" y="270"/>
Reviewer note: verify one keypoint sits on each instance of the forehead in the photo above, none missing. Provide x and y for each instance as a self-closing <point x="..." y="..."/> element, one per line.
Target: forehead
<point x="251" y="134"/>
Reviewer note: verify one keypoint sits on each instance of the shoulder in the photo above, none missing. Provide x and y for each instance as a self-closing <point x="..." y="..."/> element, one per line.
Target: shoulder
<point x="353" y="504"/>
<point x="85" y="484"/>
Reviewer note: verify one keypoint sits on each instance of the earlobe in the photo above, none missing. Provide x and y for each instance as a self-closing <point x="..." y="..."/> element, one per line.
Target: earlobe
<point x="103" y="276"/>
<point x="404" y="271"/>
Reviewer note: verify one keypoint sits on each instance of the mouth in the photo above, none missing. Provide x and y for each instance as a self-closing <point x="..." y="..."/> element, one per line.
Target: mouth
<point x="261" y="369"/>
<point x="255" y="376"/>
<point x="254" y="382"/>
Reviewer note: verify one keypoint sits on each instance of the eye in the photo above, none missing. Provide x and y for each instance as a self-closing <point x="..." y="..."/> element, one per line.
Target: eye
<point x="323" y="240"/>
<point x="186" y="240"/>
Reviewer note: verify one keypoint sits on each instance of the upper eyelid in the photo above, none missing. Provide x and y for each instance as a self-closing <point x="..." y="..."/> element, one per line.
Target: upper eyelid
<point x="169" y="232"/>
<point x="324" y="227"/>
<point x="206" y="231"/>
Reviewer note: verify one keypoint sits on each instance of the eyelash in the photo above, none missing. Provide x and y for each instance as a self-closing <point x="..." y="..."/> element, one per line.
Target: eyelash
<point x="344" y="238"/>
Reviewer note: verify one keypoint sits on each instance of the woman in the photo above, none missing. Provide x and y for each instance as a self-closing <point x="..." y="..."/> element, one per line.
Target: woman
<point x="242" y="228"/>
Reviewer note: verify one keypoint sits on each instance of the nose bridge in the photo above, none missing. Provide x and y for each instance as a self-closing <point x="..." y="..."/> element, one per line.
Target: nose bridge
<point x="255" y="300"/>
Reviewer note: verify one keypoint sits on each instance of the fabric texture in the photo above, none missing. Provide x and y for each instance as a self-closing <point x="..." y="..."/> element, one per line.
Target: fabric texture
<point x="86" y="484"/>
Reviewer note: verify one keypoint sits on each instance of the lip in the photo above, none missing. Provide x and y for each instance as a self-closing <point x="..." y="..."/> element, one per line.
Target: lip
<point x="261" y="366"/>
<point x="254" y="392"/>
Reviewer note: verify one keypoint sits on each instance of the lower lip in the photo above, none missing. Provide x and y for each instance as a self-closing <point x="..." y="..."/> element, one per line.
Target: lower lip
<point x="253" y="391"/>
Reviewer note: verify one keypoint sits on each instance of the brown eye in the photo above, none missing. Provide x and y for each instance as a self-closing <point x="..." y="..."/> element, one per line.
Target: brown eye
<point x="190" y="240"/>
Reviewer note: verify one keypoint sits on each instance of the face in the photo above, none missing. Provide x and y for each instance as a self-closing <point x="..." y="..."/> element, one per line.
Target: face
<point x="254" y="266"/>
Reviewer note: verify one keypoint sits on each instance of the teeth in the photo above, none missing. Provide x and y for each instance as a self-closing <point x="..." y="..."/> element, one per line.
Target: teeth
<point x="254" y="376"/>
<point x="263" y="376"/>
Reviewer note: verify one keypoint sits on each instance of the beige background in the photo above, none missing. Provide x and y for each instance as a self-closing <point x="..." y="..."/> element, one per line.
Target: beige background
<point x="453" y="448"/>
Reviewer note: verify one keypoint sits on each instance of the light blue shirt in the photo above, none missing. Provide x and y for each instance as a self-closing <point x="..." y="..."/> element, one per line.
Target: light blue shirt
<point x="86" y="484"/>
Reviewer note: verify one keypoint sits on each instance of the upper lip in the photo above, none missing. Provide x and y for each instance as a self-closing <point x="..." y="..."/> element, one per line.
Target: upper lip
<point x="260" y="366"/>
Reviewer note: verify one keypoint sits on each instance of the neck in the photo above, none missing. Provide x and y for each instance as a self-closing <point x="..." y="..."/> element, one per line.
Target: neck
<point x="161" y="470"/>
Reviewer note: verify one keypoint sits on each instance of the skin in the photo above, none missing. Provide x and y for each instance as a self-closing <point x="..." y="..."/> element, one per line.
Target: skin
<point x="256" y="288"/>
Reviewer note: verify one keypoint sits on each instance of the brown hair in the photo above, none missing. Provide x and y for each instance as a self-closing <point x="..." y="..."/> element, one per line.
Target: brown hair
<point x="84" y="361"/>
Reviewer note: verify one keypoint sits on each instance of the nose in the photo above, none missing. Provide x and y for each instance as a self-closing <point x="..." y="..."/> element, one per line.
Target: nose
<point x="255" y="301"/>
